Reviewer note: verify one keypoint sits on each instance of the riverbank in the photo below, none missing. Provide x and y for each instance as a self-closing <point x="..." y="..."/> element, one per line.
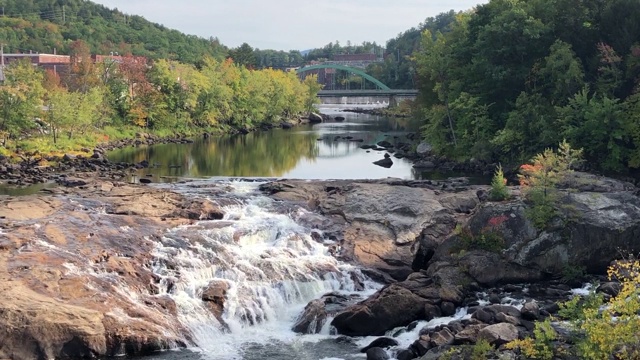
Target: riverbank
<point x="128" y="297"/>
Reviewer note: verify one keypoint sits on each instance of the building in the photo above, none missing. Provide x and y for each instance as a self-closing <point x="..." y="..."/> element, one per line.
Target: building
<point x="57" y="63"/>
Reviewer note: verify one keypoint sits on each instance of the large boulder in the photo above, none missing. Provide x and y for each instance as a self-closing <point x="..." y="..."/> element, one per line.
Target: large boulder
<point x="315" y="314"/>
<point x="382" y="225"/>
<point x="391" y="307"/>
<point x="593" y="223"/>
<point x="499" y="334"/>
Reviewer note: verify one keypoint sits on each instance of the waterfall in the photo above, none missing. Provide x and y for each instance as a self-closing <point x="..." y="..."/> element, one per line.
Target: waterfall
<point x="268" y="265"/>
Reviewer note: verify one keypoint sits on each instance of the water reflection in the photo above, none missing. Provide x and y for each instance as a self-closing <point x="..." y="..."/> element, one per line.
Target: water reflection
<point x="330" y="150"/>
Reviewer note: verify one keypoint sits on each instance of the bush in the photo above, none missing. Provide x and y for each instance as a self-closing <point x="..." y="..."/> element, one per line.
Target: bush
<point x="499" y="190"/>
<point x="538" y="181"/>
<point x="541" y="345"/>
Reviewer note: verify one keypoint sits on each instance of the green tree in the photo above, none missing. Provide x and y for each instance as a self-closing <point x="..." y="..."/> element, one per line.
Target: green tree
<point x="20" y="99"/>
<point x="244" y="56"/>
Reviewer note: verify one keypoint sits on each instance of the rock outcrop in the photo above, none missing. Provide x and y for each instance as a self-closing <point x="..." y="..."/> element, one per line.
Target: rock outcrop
<point x="380" y="225"/>
<point x="76" y="272"/>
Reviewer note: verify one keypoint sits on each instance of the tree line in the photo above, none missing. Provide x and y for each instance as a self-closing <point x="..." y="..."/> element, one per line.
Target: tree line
<point x="160" y="95"/>
<point x="510" y="78"/>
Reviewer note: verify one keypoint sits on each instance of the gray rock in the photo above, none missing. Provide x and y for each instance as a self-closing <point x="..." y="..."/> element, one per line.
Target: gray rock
<point x="389" y="308"/>
<point x="530" y="311"/>
<point x="499" y="334"/>
<point x="442" y="337"/>
<point x="424" y="148"/>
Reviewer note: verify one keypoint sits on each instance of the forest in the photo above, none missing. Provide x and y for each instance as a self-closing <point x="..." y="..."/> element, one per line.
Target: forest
<point x="96" y="100"/>
<point x="511" y="78"/>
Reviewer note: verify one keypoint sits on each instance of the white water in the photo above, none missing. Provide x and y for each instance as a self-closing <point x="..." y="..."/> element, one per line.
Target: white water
<point x="272" y="266"/>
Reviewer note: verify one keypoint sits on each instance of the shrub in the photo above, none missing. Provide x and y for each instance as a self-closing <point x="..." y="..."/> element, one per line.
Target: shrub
<point x="481" y="350"/>
<point x="538" y="181"/>
<point x="609" y="331"/>
<point x="541" y="345"/>
<point x="499" y="190"/>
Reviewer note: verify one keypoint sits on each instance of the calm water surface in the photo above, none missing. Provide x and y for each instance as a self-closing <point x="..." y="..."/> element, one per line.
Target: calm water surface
<point x="304" y="152"/>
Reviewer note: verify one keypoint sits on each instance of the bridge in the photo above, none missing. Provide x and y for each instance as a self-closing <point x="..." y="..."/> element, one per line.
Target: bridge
<point x="382" y="93"/>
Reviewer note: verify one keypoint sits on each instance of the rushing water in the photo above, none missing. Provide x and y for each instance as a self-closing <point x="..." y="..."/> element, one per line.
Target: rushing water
<point x="273" y="268"/>
<point x="313" y="151"/>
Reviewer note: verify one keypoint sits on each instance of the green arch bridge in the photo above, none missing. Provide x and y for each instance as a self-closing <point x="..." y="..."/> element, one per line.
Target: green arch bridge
<point x="382" y="89"/>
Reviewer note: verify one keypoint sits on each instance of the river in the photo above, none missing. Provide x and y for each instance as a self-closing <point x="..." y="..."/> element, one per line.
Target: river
<point x="310" y="151"/>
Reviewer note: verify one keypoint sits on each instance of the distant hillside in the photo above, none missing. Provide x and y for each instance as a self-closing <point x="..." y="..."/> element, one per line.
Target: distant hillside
<point x="45" y="25"/>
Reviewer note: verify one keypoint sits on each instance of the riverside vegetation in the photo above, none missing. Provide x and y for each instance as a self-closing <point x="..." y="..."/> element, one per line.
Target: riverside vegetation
<point x="100" y="102"/>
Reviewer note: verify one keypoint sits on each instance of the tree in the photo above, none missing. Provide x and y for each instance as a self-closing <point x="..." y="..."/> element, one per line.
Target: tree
<point x="244" y="56"/>
<point x="20" y="99"/>
<point x="312" y="89"/>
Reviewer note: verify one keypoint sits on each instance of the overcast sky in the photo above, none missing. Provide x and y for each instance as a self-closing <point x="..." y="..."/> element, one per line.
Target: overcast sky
<point x="290" y="24"/>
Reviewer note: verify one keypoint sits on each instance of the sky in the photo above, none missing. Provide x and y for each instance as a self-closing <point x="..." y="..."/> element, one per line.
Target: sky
<point x="290" y="24"/>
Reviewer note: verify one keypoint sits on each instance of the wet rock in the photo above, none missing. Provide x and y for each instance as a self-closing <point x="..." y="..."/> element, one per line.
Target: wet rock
<point x="406" y="354"/>
<point x="200" y="209"/>
<point x="391" y="307"/>
<point x="145" y="181"/>
<point x="377" y="354"/>
<point x="315" y="314"/>
<point x="315" y="118"/>
<point x="499" y="334"/>
<point x="385" y="163"/>
<point x="339" y="118"/>
<point x="447" y="308"/>
<point x="383" y="342"/>
<point x="431" y="311"/>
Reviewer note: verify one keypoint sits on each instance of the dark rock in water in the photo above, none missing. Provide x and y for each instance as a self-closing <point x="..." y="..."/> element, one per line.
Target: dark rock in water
<point x="377" y="354"/>
<point x="348" y="137"/>
<point x="339" y="118"/>
<point x="406" y="355"/>
<point x="357" y="140"/>
<point x="315" y="314"/>
<point x="385" y="144"/>
<point x="442" y="337"/>
<point x="431" y="312"/>
<point x="286" y="125"/>
<point x="143" y="164"/>
<point x="387" y="156"/>
<point x="145" y="181"/>
<point x="383" y="342"/>
<point x="320" y="139"/>
<point x="447" y="308"/>
<point x="391" y="307"/>
<point x="315" y="118"/>
<point x="214" y="296"/>
<point x="312" y="318"/>
<point x="365" y="147"/>
<point x="385" y="163"/>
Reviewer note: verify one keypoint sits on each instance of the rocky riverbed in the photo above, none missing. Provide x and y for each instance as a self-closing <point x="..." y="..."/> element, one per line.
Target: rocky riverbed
<point x="98" y="267"/>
